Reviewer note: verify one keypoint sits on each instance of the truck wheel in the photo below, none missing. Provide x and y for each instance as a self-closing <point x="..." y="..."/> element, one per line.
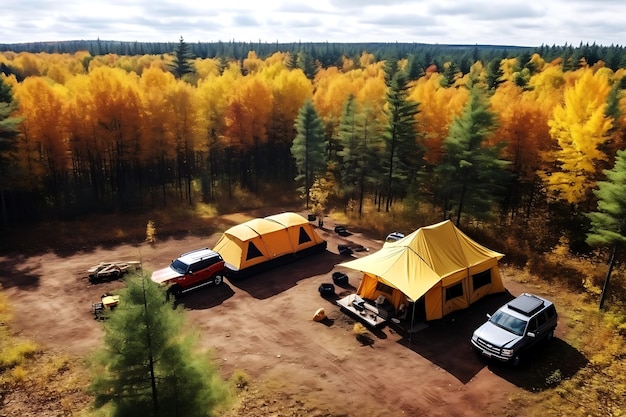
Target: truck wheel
<point x="218" y="279"/>
<point x="175" y="291"/>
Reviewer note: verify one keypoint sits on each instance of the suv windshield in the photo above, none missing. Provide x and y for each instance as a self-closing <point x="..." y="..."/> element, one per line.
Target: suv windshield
<point x="508" y="322"/>
<point x="179" y="266"/>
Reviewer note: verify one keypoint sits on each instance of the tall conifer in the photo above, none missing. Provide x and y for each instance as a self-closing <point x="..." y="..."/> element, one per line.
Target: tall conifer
<point x="608" y="224"/>
<point x="471" y="175"/>
<point x="149" y="365"/>
<point x="308" y="147"/>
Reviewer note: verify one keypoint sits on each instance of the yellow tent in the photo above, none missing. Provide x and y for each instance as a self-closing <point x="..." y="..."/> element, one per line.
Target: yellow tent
<point x="438" y="262"/>
<point x="260" y="243"/>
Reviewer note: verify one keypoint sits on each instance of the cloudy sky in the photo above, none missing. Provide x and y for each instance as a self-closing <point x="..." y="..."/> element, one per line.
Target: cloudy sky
<point x="503" y="22"/>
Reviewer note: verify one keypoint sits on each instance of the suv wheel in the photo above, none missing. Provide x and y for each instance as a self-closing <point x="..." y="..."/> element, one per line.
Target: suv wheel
<point x="517" y="359"/>
<point x="218" y="279"/>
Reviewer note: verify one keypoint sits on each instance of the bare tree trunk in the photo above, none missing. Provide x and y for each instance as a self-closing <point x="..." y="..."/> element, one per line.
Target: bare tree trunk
<point x="155" y="399"/>
<point x="608" y="277"/>
<point x="461" y="201"/>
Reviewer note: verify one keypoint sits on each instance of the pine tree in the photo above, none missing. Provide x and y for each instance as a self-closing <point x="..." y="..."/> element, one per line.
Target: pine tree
<point x="308" y="147"/>
<point x="307" y="64"/>
<point x="9" y="129"/>
<point x="149" y="364"/>
<point x="471" y="175"/>
<point x="403" y="154"/>
<point x="450" y="74"/>
<point x="182" y="60"/>
<point x="494" y="74"/>
<point x="608" y="224"/>
<point x="360" y="140"/>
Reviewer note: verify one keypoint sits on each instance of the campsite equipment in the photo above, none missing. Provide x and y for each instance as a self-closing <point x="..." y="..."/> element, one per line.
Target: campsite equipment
<point x="106" y="301"/>
<point x="342" y="231"/>
<point x="110" y="270"/>
<point x="340" y="278"/>
<point x="319" y="315"/>
<point x="362" y="310"/>
<point x="344" y="249"/>
<point x="326" y="290"/>
<point x="438" y="264"/>
<point x="262" y="243"/>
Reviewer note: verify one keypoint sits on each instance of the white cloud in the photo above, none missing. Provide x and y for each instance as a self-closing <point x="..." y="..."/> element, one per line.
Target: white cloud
<point x="507" y="22"/>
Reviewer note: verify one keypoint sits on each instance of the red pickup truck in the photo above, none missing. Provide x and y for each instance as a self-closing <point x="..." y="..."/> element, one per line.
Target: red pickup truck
<point x="191" y="270"/>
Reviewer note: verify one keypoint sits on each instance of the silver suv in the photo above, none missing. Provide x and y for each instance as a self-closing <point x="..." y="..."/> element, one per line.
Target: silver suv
<point x="516" y="327"/>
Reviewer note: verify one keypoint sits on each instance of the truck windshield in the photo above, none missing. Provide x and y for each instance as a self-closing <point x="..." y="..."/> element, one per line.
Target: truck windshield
<point x="179" y="266"/>
<point x="508" y="322"/>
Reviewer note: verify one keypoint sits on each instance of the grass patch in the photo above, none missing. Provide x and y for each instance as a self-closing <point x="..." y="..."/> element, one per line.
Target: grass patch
<point x="44" y="383"/>
<point x="584" y="372"/>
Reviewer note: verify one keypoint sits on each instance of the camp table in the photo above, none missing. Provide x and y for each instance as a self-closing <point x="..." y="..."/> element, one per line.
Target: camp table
<point x="361" y="309"/>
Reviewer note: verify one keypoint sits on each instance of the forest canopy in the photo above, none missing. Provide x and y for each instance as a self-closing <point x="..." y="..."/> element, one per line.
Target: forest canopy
<point x="120" y="132"/>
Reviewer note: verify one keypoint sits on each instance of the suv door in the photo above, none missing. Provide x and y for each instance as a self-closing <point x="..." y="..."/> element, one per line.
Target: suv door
<point x="198" y="272"/>
<point x="531" y="328"/>
<point x="545" y="323"/>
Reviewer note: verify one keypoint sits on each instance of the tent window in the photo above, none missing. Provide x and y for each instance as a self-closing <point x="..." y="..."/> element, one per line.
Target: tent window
<point x="253" y="251"/>
<point x="481" y="279"/>
<point x="304" y="237"/>
<point x="454" y="291"/>
<point x="384" y="288"/>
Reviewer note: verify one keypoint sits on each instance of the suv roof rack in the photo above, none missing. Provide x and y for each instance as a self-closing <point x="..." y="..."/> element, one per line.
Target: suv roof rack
<point x="199" y="254"/>
<point x="526" y="304"/>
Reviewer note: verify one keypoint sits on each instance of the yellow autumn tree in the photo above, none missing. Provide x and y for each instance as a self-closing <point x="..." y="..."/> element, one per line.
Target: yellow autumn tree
<point x="371" y="94"/>
<point x="157" y="143"/>
<point x="28" y="64"/>
<point x="106" y="116"/>
<point x="253" y="64"/>
<point x="43" y="145"/>
<point x="247" y="113"/>
<point x="206" y="67"/>
<point x="214" y="94"/>
<point x="290" y="89"/>
<point x="579" y="127"/>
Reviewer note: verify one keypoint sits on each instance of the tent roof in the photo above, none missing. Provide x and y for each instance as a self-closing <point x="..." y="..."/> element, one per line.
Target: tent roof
<point x="255" y="227"/>
<point x="417" y="262"/>
<point x="242" y="232"/>
<point x="445" y="248"/>
<point x="288" y="219"/>
<point x="399" y="267"/>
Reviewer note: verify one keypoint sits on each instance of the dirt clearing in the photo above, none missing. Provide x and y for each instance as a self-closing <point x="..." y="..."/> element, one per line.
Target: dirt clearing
<point x="263" y="326"/>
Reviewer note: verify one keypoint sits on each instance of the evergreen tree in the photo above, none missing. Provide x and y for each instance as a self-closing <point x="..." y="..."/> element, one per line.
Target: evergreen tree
<point x="149" y="365"/>
<point x="608" y="224"/>
<point x="471" y="175"/>
<point x="494" y="74"/>
<point x="415" y="68"/>
<point x="308" y="147"/>
<point x="9" y="129"/>
<point x="450" y="73"/>
<point x="182" y="60"/>
<point x="403" y="154"/>
<point x="307" y="64"/>
<point x="359" y="136"/>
